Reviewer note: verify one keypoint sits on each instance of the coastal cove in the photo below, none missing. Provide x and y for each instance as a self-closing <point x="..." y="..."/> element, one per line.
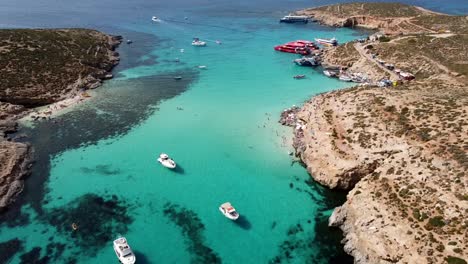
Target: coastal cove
<point x="95" y="163"/>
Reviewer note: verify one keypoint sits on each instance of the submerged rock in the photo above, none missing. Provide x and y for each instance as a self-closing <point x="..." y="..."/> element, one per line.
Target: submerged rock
<point x="9" y="248"/>
<point x="192" y="228"/>
<point x="97" y="221"/>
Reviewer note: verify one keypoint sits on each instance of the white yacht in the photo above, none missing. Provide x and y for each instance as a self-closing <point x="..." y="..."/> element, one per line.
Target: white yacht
<point x="123" y="251"/>
<point x="229" y="211"/>
<point x="155" y="19"/>
<point x="197" y="42"/>
<point x="166" y="161"/>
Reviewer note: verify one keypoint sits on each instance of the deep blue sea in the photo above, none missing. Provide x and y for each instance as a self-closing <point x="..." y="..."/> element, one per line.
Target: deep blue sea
<point x="96" y="164"/>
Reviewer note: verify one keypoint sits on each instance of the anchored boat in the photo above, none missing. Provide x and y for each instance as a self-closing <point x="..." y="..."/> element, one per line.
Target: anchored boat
<point x="166" y="161"/>
<point x="328" y="42"/>
<point x="300" y="76"/>
<point x="303" y="47"/>
<point x="197" y="42"/>
<point x="229" y="211"/>
<point x="330" y="73"/>
<point x="345" y="78"/>
<point x="294" y="19"/>
<point x="155" y="19"/>
<point x="308" y="61"/>
<point x="123" y="251"/>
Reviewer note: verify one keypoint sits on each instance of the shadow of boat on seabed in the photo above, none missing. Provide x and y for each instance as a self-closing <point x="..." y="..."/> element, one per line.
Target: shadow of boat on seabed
<point x="243" y="222"/>
<point x="179" y="169"/>
<point x="141" y="258"/>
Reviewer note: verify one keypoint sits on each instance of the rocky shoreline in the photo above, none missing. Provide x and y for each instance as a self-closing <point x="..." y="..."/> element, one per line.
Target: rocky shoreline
<point x="89" y="59"/>
<point x="401" y="151"/>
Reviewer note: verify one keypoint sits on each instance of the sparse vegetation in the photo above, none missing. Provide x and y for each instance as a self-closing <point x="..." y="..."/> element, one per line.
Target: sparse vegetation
<point x="38" y="66"/>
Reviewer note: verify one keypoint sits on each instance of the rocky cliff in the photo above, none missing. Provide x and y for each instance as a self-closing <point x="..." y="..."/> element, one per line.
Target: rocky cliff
<point x="39" y="67"/>
<point x="401" y="151"/>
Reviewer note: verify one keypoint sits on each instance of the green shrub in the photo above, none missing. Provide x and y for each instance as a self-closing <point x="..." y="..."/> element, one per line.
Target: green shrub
<point x="455" y="260"/>
<point x="437" y="221"/>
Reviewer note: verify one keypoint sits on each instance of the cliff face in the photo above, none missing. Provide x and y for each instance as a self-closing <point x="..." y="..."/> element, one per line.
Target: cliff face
<point x="392" y="18"/>
<point x="401" y="151"/>
<point x="13" y="166"/>
<point x="38" y="67"/>
<point x="405" y="167"/>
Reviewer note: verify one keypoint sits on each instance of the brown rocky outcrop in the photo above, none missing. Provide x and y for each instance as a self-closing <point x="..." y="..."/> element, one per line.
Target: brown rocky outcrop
<point x="39" y="67"/>
<point x="401" y="151"/>
<point x="14" y="163"/>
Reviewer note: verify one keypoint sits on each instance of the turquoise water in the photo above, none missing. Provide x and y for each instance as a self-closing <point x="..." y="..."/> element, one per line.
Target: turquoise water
<point x="96" y="165"/>
<point x="226" y="140"/>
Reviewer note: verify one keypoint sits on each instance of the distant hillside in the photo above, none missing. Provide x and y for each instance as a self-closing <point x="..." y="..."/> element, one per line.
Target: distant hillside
<point x="391" y="18"/>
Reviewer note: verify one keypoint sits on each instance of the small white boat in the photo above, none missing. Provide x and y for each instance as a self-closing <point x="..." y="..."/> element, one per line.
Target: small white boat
<point x="345" y="78"/>
<point x="229" y="211"/>
<point x="123" y="251"/>
<point x="328" y="42"/>
<point x="155" y="19"/>
<point x="197" y="42"/>
<point x="202" y="67"/>
<point x="329" y="73"/>
<point x="166" y="161"/>
<point x="182" y="50"/>
<point x="218" y="42"/>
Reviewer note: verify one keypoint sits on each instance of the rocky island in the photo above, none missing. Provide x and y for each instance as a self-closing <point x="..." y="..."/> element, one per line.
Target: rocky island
<point x="39" y="67"/>
<point x="400" y="151"/>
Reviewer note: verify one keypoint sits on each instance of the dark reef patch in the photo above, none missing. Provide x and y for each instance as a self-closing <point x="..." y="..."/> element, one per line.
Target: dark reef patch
<point x="328" y="239"/>
<point x="98" y="221"/>
<point x="324" y="245"/>
<point x="9" y="248"/>
<point x="55" y="250"/>
<point x="103" y="169"/>
<point x="192" y="228"/>
<point x="119" y="106"/>
<point x="34" y="256"/>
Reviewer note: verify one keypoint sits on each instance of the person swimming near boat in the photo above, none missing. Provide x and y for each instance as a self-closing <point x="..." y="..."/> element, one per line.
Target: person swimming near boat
<point x="74" y="226"/>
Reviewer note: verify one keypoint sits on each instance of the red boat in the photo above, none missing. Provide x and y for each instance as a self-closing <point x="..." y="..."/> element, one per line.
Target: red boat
<point x="302" y="47"/>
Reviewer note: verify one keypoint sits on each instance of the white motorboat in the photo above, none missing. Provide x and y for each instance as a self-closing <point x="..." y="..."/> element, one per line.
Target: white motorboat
<point x="229" y="211"/>
<point x="166" y="161"/>
<point x="345" y="78"/>
<point x="197" y="42"/>
<point x="329" y="73"/>
<point x="155" y="19"/>
<point x="328" y="42"/>
<point x="123" y="251"/>
<point x="201" y="67"/>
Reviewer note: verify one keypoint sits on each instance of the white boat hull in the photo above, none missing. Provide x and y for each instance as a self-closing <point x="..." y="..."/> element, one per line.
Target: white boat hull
<point x="227" y="215"/>
<point x="199" y="44"/>
<point x="123" y="260"/>
<point x="168" y="163"/>
<point x="123" y="251"/>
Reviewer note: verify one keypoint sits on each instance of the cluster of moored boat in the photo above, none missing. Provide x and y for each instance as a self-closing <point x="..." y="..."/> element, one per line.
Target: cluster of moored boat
<point x="346" y="76"/>
<point x="122" y="249"/>
<point x="309" y="50"/>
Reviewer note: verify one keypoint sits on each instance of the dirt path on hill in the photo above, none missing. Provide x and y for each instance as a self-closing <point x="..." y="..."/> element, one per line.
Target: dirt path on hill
<point x="363" y="53"/>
